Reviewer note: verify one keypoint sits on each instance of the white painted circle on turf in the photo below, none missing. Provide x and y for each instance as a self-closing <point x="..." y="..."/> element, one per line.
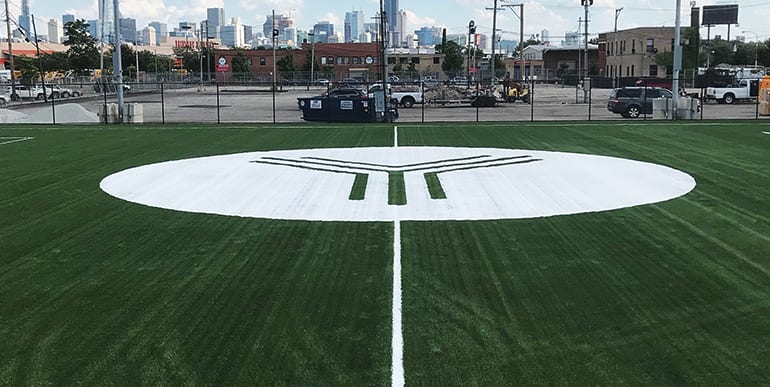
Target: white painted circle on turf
<point x="321" y="184"/>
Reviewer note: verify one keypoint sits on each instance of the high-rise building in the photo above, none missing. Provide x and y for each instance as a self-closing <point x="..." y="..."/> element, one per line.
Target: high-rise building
<point x="282" y="22"/>
<point x="55" y="31"/>
<point x="93" y="28"/>
<point x="66" y="18"/>
<point x="323" y="30"/>
<point x="391" y="14"/>
<point x="232" y="35"/>
<point x="161" y="32"/>
<point x="105" y="24"/>
<point x="248" y="33"/>
<point x="545" y="37"/>
<point x="354" y="25"/>
<point x="216" y="19"/>
<point x="128" y="30"/>
<point x="149" y="35"/>
<point x="24" y="18"/>
<point x="429" y="36"/>
<point x="400" y="35"/>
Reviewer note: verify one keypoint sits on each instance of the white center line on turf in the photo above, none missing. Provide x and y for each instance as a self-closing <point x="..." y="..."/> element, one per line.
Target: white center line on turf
<point x="395" y="136"/>
<point x="397" y="366"/>
<point x="11" y="140"/>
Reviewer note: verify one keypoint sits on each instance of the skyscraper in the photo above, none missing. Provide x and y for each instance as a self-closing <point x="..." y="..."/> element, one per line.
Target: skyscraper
<point x="66" y="18"/>
<point x="128" y="30"/>
<point x="400" y="38"/>
<point x="106" y="25"/>
<point x="282" y="22"/>
<point x="161" y="31"/>
<point x="391" y="14"/>
<point x="354" y="25"/>
<point x="55" y="31"/>
<point x="323" y="30"/>
<point x="216" y="19"/>
<point x="24" y="19"/>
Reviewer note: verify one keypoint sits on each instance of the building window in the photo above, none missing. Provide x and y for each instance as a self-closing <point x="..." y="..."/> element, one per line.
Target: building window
<point x="323" y="60"/>
<point x="391" y="60"/>
<point x="653" y="70"/>
<point x="355" y="60"/>
<point x="251" y="61"/>
<point x="262" y="61"/>
<point x="330" y="60"/>
<point x="403" y="60"/>
<point x="347" y="60"/>
<point x="633" y="46"/>
<point x="650" y="45"/>
<point x="339" y="60"/>
<point x="632" y="70"/>
<point x="416" y="59"/>
<point x="436" y="60"/>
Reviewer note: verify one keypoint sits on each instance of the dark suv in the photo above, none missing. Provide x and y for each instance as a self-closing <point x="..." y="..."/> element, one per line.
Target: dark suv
<point x="631" y="102"/>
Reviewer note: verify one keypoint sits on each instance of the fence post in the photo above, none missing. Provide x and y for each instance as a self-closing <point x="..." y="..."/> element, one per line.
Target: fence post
<point x="53" y="109"/>
<point x="532" y="102"/>
<point x="590" y="95"/>
<point x="162" y="105"/>
<point x="218" y="120"/>
<point x="104" y="93"/>
<point x="422" y="96"/>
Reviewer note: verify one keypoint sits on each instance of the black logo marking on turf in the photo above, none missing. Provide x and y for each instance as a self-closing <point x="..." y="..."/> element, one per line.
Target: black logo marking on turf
<point x="396" y="185"/>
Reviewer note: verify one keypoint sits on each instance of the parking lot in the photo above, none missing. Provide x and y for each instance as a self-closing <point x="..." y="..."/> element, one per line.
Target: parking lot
<point x="244" y="104"/>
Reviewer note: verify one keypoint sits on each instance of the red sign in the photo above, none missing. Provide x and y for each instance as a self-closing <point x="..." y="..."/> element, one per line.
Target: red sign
<point x="222" y="65"/>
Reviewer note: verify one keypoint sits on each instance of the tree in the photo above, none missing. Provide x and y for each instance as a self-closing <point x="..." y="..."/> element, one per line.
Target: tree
<point x="453" y="59"/>
<point x="55" y="61"/>
<point x="28" y="68"/>
<point x="239" y="63"/>
<point x="286" y="63"/>
<point x="82" y="51"/>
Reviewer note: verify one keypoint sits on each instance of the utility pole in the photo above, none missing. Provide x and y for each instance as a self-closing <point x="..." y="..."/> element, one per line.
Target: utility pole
<point x="117" y="60"/>
<point x="521" y="36"/>
<point x="471" y="33"/>
<point x="586" y="4"/>
<point x="39" y="60"/>
<point x="10" y="48"/>
<point x="615" y="49"/>
<point x="274" y="34"/>
<point x="677" y="57"/>
<point x="494" y="32"/>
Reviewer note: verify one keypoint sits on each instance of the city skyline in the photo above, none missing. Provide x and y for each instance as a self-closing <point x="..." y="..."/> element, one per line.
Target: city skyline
<point x="556" y="16"/>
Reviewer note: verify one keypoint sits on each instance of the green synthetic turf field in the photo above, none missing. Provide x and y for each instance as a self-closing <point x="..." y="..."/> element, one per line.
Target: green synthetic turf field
<point x="99" y="291"/>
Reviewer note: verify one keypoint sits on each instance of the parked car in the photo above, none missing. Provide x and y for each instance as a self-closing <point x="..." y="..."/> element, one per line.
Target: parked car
<point x="61" y="92"/>
<point x="344" y="92"/>
<point x="429" y="81"/>
<point x="631" y="102"/>
<point x="402" y="95"/>
<point x="29" y="92"/>
<point x="747" y="89"/>
<point x="4" y="100"/>
<point x="321" y="81"/>
<point x="459" y="80"/>
<point x="352" y="81"/>
<point x="394" y="79"/>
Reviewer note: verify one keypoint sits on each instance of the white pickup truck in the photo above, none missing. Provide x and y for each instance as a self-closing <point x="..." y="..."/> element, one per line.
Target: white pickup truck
<point x="746" y="90"/>
<point x="406" y="97"/>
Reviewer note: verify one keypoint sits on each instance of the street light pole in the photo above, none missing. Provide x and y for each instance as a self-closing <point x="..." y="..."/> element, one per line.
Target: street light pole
<point x="756" y="41"/>
<point x="615" y="44"/>
<point x="312" y="59"/>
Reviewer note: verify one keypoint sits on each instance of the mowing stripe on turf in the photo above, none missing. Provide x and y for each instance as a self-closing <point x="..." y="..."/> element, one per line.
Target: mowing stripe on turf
<point x="397" y="365"/>
<point x="11" y="140"/>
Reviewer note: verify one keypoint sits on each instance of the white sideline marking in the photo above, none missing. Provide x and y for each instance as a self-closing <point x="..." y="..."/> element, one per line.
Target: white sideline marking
<point x="397" y="366"/>
<point x="395" y="136"/>
<point x="11" y="140"/>
<point x="765" y="132"/>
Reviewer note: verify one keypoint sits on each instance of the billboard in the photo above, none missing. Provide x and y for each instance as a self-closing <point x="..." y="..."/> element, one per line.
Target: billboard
<point x="720" y="14"/>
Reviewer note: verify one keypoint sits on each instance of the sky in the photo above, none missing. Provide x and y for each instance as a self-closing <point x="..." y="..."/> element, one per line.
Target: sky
<point x="556" y="16"/>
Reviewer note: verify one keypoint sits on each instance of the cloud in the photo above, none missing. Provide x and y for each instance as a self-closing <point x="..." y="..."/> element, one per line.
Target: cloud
<point x="415" y="22"/>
